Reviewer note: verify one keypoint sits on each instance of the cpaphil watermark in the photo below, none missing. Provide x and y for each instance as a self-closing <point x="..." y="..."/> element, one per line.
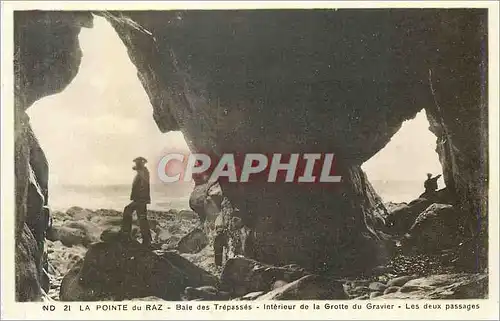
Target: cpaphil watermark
<point x="237" y="168"/>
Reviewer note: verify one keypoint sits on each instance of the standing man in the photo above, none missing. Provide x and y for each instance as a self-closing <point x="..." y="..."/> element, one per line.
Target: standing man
<point x="140" y="197"/>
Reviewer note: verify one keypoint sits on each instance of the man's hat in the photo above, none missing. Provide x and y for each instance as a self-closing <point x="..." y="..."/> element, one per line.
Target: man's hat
<point x="140" y="159"/>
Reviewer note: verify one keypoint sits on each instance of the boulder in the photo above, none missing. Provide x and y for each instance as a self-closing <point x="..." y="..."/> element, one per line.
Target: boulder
<point x="69" y="236"/>
<point x="106" y="221"/>
<point x="186" y="215"/>
<point x="241" y="276"/>
<point x="170" y="243"/>
<point x="193" y="242"/>
<point x="255" y="115"/>
<point x="206" y="205"/>
<point x="32" y="215"/>
<point x="278" y="284"/>
<point x="111" y="234"/>
<point x="391" y="289"/>
<point x="203" y="292"/>
<point x="442" y="196"/>
<point x="437" y="228"/>
<point x="175" y="229"/>
<point x="309" y="287"/>
<point x="114" y="233"/>
<point x="75" y="232"/>
<point x="163" y="236"/>
<point x="443" y="286"/>
<point x="125" y="270"/>
<point x="72" y="290"/>
<point x="192" y="75"/>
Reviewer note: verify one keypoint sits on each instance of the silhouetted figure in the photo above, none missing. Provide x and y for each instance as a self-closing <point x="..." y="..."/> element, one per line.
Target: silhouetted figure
<point x="430" y="184"/>
<point x="140" y="197"/>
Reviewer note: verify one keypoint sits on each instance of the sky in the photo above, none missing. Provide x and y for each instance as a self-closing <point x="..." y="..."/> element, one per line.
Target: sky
<point x="93" y="129"/>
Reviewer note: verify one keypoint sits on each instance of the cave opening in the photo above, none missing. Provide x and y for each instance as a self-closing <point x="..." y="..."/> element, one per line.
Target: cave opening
<point x="398" y="171"/>
<point x="98" y="125"/>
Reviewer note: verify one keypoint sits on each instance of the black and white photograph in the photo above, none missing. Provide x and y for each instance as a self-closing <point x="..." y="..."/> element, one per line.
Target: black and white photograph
<point x="252" y="158"/>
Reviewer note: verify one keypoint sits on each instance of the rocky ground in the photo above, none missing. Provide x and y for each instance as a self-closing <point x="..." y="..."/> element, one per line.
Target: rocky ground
<point x="427" y="261"/>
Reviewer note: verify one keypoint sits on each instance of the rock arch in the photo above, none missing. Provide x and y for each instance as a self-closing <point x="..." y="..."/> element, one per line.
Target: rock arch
<point x="283" y="81"/>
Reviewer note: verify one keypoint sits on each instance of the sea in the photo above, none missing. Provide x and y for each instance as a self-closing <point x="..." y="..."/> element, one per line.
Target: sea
<point x="177" y="197"/>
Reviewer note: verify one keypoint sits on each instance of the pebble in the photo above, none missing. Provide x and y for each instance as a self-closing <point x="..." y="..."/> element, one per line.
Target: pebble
<point x="378" y="270"/>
